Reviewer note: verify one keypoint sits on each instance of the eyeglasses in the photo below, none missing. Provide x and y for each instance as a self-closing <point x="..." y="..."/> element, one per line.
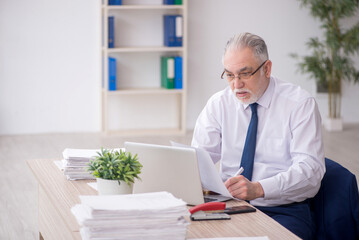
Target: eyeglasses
<point x="244" y="75"/>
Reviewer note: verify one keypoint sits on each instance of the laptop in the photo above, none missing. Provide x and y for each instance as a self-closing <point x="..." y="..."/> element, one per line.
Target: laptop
<point x="171" y="169"/>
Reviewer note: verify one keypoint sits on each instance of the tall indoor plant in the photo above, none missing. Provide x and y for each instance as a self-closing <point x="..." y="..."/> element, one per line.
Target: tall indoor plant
<point x="330" y="62"/>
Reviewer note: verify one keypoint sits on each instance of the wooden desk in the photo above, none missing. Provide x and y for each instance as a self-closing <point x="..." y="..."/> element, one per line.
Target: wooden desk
<point x="57" y="195"/>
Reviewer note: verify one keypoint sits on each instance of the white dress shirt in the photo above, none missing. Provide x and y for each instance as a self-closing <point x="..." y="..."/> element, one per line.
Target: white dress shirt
<point x="289" y="156"/>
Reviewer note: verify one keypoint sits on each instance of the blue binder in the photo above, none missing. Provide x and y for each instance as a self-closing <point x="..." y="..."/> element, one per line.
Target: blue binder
<point x="168" y="2"/>
<point x="114" y="2"/>
<point x="111" y="32"/>
<point x="173" y="33"/>
<point x="178" y="72"/>
<point x="112" y="74"/>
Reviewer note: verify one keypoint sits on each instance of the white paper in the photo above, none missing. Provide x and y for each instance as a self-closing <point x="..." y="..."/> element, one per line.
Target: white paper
<point x="210" y="177"/>
<point x="148" y="216"/>
<point x="75" y="162"/>
<point x="82" y="154"/>
<point x="130" y="202"/>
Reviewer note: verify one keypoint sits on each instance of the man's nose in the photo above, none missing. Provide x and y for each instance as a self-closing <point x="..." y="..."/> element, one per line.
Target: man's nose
<point x="238" y="83"/>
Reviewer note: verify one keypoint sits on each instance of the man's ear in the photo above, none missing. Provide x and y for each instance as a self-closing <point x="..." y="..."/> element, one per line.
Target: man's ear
<point x="268" y="68"/>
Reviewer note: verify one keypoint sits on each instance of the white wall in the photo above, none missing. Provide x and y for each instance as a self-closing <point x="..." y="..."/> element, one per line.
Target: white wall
<point x="49" y="51"/>
<point x="49" y="66"/>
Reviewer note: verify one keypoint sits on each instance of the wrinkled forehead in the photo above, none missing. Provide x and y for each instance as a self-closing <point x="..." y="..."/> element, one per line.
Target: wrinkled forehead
<point x="239" y="58"/>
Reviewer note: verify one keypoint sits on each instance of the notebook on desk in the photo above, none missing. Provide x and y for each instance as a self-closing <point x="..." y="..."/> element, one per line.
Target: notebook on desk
<point x="172" y="169"/>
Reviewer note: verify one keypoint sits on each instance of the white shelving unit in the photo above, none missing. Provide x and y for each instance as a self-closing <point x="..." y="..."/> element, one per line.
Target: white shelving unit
<point x="140" y="105"/>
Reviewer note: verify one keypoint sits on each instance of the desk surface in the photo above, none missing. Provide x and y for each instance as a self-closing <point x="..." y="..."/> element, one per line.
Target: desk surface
<point x="57" y="196"/>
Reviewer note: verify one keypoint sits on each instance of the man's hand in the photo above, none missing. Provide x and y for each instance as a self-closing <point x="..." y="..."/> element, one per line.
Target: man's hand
<point x="240" y="187"/>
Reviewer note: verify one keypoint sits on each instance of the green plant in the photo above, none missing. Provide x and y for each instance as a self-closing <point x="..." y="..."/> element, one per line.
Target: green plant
<point x="114" y="165"/>
<point x="330" y="61"/>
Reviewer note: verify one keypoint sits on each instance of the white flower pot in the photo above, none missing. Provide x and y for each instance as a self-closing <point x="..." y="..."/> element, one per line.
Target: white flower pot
<point x="113" y="187"/>
<point x="333" y="124"/>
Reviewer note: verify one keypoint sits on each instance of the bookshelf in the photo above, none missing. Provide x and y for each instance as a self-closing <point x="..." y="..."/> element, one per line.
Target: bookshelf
<point x="139" y="106"/>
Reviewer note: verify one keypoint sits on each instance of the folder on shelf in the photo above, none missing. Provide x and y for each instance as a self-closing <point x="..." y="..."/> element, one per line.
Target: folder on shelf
<point x="179" y="30"/>
<point x="114" y="2"/>
<point x="111" y="32"/>
<point x="173" y="30"/>
<point x="167" y="72"/>
<point x="112" y="74"/>
<point x="163" y="71"/>
<point x="178" y="72"/>
<point x="178" y="2"/>
<point x="168" y="2"/>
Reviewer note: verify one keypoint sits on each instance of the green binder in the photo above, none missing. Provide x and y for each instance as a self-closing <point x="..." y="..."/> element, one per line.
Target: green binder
<point x="167" y="72"/>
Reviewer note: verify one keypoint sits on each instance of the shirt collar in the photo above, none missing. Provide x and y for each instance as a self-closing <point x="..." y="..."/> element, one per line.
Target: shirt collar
<point x="266" y="98"/>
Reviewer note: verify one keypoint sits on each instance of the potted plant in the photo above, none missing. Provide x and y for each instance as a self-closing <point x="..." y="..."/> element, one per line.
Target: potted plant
<point x="330" y="62"/>
<point x="115" y="171"/>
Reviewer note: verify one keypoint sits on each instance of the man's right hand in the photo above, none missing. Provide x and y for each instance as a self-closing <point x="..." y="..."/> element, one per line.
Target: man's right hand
<point x="240" y="187"/>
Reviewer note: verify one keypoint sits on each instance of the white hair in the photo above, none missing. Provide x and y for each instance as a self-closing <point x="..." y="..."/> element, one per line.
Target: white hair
<point x="244" y="40"/>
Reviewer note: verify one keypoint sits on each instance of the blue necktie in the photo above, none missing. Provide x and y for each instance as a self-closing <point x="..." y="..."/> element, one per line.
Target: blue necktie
<point x="250" y="145"/>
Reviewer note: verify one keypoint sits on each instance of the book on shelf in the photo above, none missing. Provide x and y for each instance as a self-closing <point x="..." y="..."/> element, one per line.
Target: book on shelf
<point x="111" y="32"/>
<point x="167" y="72"/>
<point x="114" y="2"/>
<point x="177" y="2"/>
<point x="173" y="30"/>
<point x="112" y="71"/>
<point x="178" y="72"/>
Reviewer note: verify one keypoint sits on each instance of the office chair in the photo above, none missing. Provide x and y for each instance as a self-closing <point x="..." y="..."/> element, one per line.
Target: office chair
<point x="335" y="208"/>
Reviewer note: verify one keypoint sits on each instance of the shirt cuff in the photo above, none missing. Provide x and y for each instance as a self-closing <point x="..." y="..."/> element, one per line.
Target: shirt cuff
<point x="270" y="188"/>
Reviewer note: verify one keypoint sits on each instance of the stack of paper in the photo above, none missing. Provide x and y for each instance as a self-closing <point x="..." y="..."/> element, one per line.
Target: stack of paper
<point x="136" y="216"/>
<point x="75" y="162"/>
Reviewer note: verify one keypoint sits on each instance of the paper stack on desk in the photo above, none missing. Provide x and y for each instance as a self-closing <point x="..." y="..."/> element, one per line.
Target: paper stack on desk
<point x="76" y="161"/>
<point x="145" y="216"/>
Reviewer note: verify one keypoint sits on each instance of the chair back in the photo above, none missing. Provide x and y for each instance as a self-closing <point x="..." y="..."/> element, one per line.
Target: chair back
<point x="335" y="208"/>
